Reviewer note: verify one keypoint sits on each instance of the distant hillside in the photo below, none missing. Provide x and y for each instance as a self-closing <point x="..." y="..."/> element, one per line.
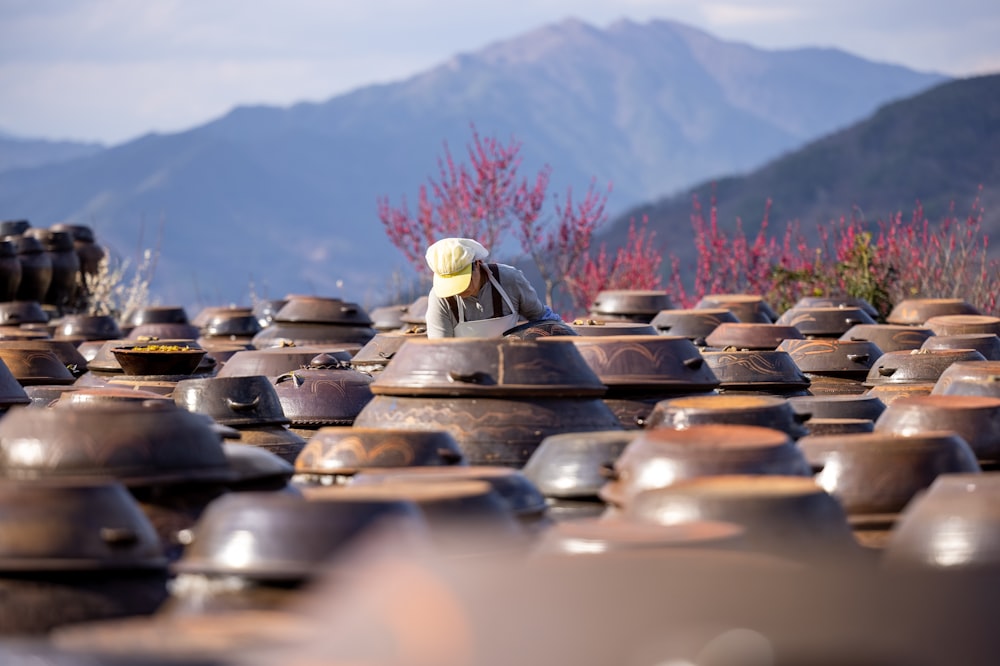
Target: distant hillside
<point x="936" y="147"/>
<point x="20" y="153"/>
<point x="285" y="198"/>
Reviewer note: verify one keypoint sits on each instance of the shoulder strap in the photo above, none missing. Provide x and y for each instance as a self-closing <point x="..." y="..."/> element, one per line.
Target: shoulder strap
<point x="497" y="303"/>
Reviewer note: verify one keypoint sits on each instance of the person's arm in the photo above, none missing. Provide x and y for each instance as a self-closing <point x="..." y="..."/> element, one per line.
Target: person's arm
<point x="439" y="321"/>
<point x="529" y="305"/>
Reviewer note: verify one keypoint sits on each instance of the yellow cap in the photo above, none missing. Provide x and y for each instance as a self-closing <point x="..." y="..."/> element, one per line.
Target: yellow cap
<point x="451" y="260"/>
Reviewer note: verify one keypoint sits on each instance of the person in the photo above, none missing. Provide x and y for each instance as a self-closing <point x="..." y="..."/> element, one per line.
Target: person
<point x="473" y="299"/>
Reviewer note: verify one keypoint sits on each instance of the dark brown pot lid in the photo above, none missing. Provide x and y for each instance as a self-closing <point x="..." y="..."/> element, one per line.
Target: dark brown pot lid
<point x="644" y="361"/>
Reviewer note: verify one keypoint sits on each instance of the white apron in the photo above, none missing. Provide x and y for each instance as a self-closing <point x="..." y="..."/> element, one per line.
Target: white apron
<point x="486" y="328"/>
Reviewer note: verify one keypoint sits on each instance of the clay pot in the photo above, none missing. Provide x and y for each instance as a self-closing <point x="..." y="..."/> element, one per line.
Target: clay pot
<point x="953" y="526"/>
<point x="232" y="401"/>
<point x="265" y="310"/>
<point x="36" y="269"/>
<point x="75" y="396"/>
<point x="751" y="336"/>
<point x="104" y="360"/>
<point x="695" y="325"/>
<point x="14" y="227"/>
<point x="278" y="360"/>
<point x="334" y="454"/>
<point x="593" y="327"/>
<point x="646" y="363"/>
<point x="88" y="327"/>
<point x="836" y="302"/>
<point x="89" y="253"/>
<point x="970" y="378"/>
<point x="74" y="552"/>
<point x="750" y="410"/>
<point x="256" y="469"/>
<point x="523" y="499"/>
<point x="16" y="313"/>
<point x="916" y="367"/>
<point x="865" y="407"/>
<point x="416" y="312"/>
<point x="137" y="359"/>
<point x="378" y="351"/>
<point x="160" y="314"/>
<point x="574" y="465"/>
<point x="280" y="334"/>
<point x="759" y="370"/>
<point x="281" y="537"/>
<point x="833" y="358"/>
<point x="825" y="322"/>
<point x="388" y="318"/>
<point x="234" y="324"/>
<point x="788" y="516"/>
<point x="748" y="308"/>
<point x="319" y="310"/>
<point x="65" y="351"/>
<point x="916" y="311"/>
<point x="889" y="337"/>
<point x="660" y="457"/>
<point x="532" y="330"/>
<point x="310" y="320"/>
<point x="975" y="418"/>
<point x="987" y="344"/>
<point x="10" y="270"/>
<point x="878" y="473"/>
<point x="590" y="536"/>
<point x="963" y="324"/>
<point x="490" y="430"/>
<point x="326" y="392"/>
<point x="65" y="266"/>
<point x="629" y="305"/>
<point x="273" y="438"/>
<point x="489" y="368"/>
<point x="465" y="518"/>
<point x="33" y="366"/>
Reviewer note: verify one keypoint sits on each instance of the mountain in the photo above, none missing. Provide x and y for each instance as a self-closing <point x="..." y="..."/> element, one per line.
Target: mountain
<point x="283" y="199"/>
<point x="937" y="147"/>
<point x="20" y="153"/>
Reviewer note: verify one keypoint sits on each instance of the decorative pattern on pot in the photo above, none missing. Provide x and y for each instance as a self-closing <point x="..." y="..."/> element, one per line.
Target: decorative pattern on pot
<point x="833" y="366"/>
<point x="975" y="418"/>
<point x="825" y="322"/>
<point x="765" y="371"/>
<point x="916" y="311"/>
<point x="889" y="337"/>
<point x="334" y="454"/>
<point x="325" y="392"/>
<point x="695" y="325"/>
<point x="660" y="457"/>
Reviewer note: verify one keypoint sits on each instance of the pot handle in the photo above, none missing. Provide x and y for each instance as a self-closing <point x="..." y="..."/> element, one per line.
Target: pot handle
<point x="290" y="376"/>
<point x="858" y="358"/>
<point x="387" y="355"/>
<point x="450" y="457"/>
<point x="474" y="377"/>
<point x="608" y="471"/>
<point x="242" y="406"/>
<point x="694" y="363"/>
<point x="886" y="372"/>
<point x="118" y="537"/>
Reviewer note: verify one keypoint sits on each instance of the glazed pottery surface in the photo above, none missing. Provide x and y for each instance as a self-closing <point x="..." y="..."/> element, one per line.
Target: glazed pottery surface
<point x="347" y="450"/>
<point x="889" y="337"/>
<point x="916" y="311"/>
<point x="975" y="418"/>
<point x="574" y="465"/>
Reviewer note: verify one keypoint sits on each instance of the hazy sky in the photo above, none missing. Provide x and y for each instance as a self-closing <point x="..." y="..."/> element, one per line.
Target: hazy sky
<point x="110" y="70"/>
